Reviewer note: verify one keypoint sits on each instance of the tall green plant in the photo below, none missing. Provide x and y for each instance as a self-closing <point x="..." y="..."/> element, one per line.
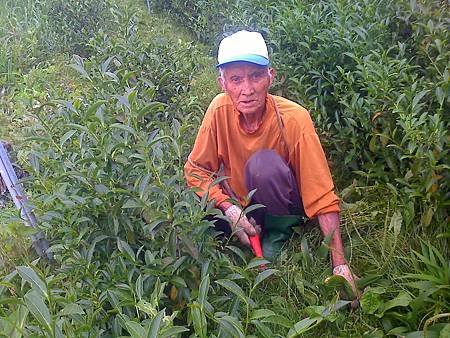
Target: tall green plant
<point x="67" y="26"/>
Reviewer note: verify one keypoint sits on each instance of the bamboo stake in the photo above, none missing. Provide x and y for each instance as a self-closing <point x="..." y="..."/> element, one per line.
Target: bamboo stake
<point x="20" y="199"/>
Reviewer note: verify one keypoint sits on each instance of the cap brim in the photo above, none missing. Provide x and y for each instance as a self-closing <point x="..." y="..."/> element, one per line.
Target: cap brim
<point x="252" y="58"/>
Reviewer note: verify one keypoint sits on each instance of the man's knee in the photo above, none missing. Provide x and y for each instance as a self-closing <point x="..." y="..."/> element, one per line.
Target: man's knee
<point x="263" y="166"/>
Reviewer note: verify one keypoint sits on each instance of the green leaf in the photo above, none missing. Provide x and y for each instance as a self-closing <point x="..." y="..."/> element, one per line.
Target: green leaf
<point x="91" y="250"/>
<point x="80" y="69"/>
<point x="122" y="99"/>
<point x="279" y="320"/>
<point x="132" y="96"/>
<point x="189" y="247"/>
<point x="445" y="331"/>
<point x="124" y="128"/>
<point x="262" y="329"/>
<point x="157" y="140"/>
<point x="139" y="287"/>
<point x="262" y="313"/>
<point x="324" y="248"/>
<point x="172" y="331"/>
<point x="198" y="320"/>
<point x="303" y="326"/>
<point x="124" y="247"/>
<point x="238" y="252"/>
<point x="72" y="309"/>
<point x="335" y="282"/>
<point x="203" y="291"/>
<point x="152" y="108"/>
<point x="403" y="299"/>
<point x="155" y="325"/>
<point x="127" y="76"/>
<point x="427" y="217"/>
<point x="217" y="181"/>
<point x="157" y="292"/>
<point x="178" y="281"/>
<point x="151" y="227"/>
<point x="440" y="95"/>
<point x="5" y="281"/>
<point x="396" y="223"/>
<point x="370" y="302"/>
<point x="367" y="280"/>
<point x="253" y="207"/>
<point x="233" y="287"/>
<point x="31" y="276"/>
<point x="143" y="185"/>
<point x="256" y="262"/>
<point x="133" y="203"/>
<point x="10" y="301"/>
<point x="14" y="324"/>
<point x="263" y="275"/>
<point x="418" y="97"/>
<point x="232" y="326"/>
<point x="40" y="311"/>
<point x="66" y="136"/>
<point x="78" y="126"/>
<point x="93" y="107"/>
<point x="101" y="189"/>
<point x="147" y="308"/>
<point x="135" y="329"/>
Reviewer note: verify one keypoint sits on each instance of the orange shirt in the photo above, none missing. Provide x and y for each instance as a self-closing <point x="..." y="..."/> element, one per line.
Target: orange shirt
<point x="222" y="142"/>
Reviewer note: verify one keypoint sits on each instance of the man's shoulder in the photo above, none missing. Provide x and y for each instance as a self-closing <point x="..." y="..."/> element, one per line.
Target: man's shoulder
<point x="222" y="101"/>
<point x="218" y="109"/>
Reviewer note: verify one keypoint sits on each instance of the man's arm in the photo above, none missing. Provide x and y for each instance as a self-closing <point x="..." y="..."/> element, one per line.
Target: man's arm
<point x="201" y="168"/>
<point x="224" y="206"/>
<point x="329" y="224"/>
<point x="203" y="162"/>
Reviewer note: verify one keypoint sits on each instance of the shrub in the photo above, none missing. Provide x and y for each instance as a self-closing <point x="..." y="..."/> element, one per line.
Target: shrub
<point x="67" y="26"/>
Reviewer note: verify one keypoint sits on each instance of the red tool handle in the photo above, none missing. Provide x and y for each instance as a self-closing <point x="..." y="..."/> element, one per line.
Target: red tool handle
<point x="257" y="250"/>
<point x="256" y="246"/>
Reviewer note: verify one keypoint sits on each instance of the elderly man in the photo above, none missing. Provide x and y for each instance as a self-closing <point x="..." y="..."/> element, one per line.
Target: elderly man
<point x="263" y="142"/>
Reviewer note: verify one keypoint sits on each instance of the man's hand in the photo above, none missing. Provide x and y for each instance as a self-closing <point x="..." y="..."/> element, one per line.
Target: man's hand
<point x="240" y="225"/>
<point x="344" y="271"/>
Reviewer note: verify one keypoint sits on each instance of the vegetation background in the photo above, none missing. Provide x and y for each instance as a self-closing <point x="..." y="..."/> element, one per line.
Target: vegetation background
<point x="102" y="100"/>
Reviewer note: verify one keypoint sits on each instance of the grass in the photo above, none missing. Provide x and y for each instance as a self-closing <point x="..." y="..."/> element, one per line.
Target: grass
<point x="14" y="239"/>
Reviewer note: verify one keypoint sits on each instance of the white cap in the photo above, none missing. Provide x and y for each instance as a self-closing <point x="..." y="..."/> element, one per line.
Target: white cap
<point x="243" y="46"/>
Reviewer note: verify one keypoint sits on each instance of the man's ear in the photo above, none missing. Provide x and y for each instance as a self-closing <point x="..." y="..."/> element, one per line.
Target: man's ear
<point x="221" y="83"/>
<point x="272" y="73"/>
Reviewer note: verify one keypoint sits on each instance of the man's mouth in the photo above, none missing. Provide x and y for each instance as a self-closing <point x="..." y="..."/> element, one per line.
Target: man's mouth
<point x="248" y="102"/>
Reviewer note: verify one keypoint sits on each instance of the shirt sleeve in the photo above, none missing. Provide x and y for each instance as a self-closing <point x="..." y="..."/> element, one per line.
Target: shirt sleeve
<point x="313" y="174"/>
<point x="203" y="161"/>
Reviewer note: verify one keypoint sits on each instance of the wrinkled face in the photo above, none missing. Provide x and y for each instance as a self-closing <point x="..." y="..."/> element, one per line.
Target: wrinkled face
<point x="247" y="84"/>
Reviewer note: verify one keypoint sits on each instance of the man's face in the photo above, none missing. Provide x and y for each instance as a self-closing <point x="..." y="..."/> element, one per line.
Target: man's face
<point x="247" y="84"/>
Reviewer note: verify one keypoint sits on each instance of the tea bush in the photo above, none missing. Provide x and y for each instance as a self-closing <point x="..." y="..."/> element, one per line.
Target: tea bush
<point x="36" y="38"/>
<point x="69" y="25"/>
<point x="204" y="18"/>
<point x="40" y="29"/>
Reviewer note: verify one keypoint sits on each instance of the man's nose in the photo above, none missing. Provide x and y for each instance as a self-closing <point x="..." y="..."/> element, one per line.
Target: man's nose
<point x="247" y="87"/>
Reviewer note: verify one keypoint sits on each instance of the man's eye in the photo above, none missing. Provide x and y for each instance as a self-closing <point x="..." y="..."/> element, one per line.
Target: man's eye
<point x="257" y="76"/>
<point x="235" y="80"/>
